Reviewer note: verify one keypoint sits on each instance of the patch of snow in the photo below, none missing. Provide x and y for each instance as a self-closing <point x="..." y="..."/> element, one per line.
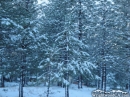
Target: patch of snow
<point x="40" y="66"/>
<point x="43" y="1"/>
<point x="7" y="21"/>
<point x="41" y="91"/>
<point x="97" y="2"/>
<point x="15" y="37"/>
<point x="48" y="59"/>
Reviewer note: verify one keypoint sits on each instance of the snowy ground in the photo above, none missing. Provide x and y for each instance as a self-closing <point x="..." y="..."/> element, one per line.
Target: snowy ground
<point x="41" y="91"/>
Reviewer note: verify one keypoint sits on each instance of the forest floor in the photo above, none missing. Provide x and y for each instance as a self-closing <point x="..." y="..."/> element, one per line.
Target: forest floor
<point x="12" y="91"/>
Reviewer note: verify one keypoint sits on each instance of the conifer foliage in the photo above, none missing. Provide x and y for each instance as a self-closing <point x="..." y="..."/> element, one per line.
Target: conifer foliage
<point x="64" y="42"/>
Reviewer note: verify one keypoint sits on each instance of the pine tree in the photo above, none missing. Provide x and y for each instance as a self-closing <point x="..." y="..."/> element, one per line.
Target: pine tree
<point x="123" y="42"/>
<point x="105" y="18"/>
<point x="63" y="27"/>
<point x="17" y="25"/>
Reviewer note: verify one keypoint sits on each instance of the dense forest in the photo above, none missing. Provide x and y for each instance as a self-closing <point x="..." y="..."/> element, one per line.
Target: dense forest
<point x="84" y="42"/>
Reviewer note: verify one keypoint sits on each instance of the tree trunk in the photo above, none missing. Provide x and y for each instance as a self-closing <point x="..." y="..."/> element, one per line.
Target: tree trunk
<point x="2" y="81"/>
<point x="22" y="67"/>
<point x="80" y="38"/>
<point x="48" y="87"/>
<point x="81" y="81"/>
<point x="128" y="86"/>
<point x="49" y="79"/>
<point x="78" y="83"/>
<point x="21" y="85"/>
<point x="67" y="69"/>
<point x="104" y="77"/>
<point x="101" y="79"/>
<point x="67" y="85"/>
<point x="103" y="63"/>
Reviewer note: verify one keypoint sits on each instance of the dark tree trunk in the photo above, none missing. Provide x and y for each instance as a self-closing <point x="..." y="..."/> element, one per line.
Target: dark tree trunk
<point x="102" y="66"/>
<point x="101" y="80"/>
<point x="78" y="82"/>
<point x="49" y="78"/>
<point x="104" y="77"/>
<point x="66" y="85"/>
<point x="81" y="81"/>
<point x="21" y="85"/>
<point x="66" y="60"/>
<point x="22" y="68"/>
<point x="48" y="87"/>
<point x="2" y="81"/>
<point x="80" y="38"/>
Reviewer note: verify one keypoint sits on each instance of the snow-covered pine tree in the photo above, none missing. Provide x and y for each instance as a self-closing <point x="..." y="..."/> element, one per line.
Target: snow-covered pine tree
<point x="63" y="27"/>
<point x="123" y="44"/>
<point x="103" y="34"/>
<point x="17" y="24"/>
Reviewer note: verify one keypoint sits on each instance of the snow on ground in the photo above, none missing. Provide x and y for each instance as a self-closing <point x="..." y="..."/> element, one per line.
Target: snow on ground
<point x="55" y="91"/>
